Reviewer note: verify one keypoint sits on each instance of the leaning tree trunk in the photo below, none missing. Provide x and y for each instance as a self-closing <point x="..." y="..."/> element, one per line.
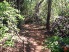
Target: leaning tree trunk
<point x="36" y="14"/>
<point x="48" y="15"/>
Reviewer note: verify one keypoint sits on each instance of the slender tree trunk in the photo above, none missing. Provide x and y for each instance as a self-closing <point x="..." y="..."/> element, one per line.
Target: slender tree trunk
<point x="37" y="6"/>
<point x="36" y="14"/>
<point x="21" y="7"/>
<point x="18" y="4"/>
<point x="48" y="15"/>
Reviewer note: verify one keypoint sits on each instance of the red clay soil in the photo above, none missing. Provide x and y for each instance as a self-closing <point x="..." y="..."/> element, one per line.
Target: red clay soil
<point x="35" y="37"/>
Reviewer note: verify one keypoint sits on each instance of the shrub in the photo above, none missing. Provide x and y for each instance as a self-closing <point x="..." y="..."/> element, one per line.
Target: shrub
<point x="53" y="43"/>
<point x="64" y="12"/>
<point x="61" y="26"/>
<point x="9" y="18"/>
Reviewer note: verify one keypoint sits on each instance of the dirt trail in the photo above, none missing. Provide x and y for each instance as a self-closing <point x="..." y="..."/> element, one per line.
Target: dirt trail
<point x="33" y="36"/>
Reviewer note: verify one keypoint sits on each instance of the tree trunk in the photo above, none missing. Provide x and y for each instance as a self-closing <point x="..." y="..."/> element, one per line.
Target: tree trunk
<point x="18" y="4"/>
<point x="37" y="6"/>
<point x="36" y="14"/>
<point x="1" y="0"/>
<point x="21" y="3"/>
<point x="48" y="15"/>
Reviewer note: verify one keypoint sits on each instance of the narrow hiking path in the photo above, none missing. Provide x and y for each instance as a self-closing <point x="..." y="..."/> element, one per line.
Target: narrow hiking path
<point x="33" y="37"/>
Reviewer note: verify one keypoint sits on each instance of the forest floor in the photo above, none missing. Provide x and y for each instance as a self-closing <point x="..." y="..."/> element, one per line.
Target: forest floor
<point x="30" y="39"/>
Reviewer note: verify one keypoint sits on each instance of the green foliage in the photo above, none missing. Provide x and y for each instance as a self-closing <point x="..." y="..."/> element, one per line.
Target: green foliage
<point x="53" y="44"/>
<point x="2" y="7"/>
<point x="9" y="18"/>
<point x="3" y="31"/>
<point x="9" y="43"/>
<point x="64" y="13"/>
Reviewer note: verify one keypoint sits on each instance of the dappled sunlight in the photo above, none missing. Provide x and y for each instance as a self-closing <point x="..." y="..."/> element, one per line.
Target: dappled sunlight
<point x="35" y="37"/>
<point x="28" y="40"/>
<point x="34" y="25"/>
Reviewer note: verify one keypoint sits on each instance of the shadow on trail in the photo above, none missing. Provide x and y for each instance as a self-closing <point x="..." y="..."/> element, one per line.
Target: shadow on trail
<point x="35" y="35"/>
<point x="34" y="38"/>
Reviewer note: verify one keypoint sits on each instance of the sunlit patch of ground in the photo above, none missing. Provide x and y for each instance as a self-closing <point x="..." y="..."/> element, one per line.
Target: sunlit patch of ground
<point x="28" y="40"/>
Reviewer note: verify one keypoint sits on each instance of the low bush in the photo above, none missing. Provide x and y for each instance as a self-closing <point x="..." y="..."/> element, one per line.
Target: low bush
<point x="61" y="26"/>
<point x="9" y="19"/>
<point x="54" y="44"/>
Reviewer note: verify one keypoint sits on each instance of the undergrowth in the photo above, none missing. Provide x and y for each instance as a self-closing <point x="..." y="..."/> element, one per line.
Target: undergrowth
<point x="9" y="18"/>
